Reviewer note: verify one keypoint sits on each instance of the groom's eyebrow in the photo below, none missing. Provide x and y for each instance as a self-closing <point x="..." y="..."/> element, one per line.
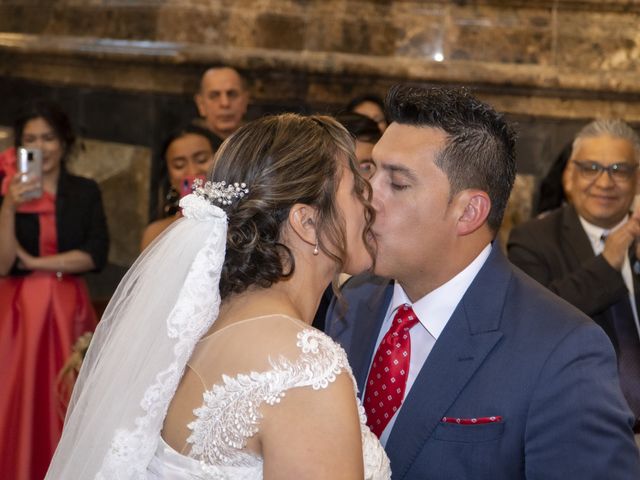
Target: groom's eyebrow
<point x="402" y="170"/>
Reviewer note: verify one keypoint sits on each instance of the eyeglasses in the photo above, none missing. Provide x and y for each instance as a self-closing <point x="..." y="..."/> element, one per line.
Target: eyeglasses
<point x="618" y="172"/>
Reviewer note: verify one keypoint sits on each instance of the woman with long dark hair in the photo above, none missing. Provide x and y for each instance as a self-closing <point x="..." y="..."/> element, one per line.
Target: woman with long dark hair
<point x="186" y="154"/>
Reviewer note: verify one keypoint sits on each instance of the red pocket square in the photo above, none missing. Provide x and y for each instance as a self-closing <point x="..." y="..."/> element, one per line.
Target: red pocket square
<point x="472" y="421"/>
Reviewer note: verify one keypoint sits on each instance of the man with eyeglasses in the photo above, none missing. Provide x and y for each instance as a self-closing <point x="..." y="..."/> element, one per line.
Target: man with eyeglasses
<point x="587" y="251"/>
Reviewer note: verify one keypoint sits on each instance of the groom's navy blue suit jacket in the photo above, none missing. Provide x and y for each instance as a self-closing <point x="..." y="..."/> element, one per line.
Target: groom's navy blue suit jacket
<point x="511" y="349"/>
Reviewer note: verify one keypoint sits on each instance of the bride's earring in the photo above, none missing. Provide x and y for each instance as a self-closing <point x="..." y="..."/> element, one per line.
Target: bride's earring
<point x="315" y="250"/>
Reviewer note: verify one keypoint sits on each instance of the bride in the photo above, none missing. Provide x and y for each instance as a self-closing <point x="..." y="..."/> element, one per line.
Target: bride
<point x="205" y="365"/>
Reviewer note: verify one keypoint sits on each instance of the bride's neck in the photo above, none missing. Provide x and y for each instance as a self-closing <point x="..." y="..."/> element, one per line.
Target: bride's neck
<point x="297" y="296"/>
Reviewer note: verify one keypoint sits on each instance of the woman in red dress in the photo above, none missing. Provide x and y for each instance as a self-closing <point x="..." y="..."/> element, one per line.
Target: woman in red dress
<point x="45" y="244"/>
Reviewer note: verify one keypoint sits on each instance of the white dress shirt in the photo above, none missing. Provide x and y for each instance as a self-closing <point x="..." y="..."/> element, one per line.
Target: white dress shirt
<point x="595" y="234"/>
<point x="433" y="312"/>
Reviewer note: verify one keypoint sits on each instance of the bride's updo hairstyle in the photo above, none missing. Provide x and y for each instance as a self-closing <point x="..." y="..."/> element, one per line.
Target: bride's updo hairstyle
<point x="284" y="160"/>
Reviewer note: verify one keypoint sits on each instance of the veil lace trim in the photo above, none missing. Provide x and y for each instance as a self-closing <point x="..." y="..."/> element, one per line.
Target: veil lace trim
<point x="193" y="314"/>
<point x="165" y="303"/>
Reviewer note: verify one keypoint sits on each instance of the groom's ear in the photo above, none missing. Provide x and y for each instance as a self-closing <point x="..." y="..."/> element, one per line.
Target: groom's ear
<point x="474" y="207"/>
<point x="302" y="220"/>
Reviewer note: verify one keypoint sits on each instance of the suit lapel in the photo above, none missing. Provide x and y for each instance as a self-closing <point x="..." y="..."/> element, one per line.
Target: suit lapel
<point x="470" y="335"/>
<point x="575" y="241"/>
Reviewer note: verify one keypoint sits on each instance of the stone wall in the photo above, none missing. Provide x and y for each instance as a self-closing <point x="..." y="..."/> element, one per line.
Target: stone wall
<point x="581" y="57"/>
<point x="126" y="70"/>
<point x="545" y="62"/>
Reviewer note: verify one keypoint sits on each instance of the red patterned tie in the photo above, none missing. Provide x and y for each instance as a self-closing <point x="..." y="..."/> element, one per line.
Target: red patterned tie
<point x="388" y="376"/>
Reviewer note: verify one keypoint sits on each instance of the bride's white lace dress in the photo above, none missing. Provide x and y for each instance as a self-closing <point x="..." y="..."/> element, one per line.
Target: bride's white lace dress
<point x="230" y="413"/>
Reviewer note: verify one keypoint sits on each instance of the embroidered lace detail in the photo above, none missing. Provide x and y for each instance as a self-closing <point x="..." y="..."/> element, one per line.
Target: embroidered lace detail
<point x="230" y="413"/>
<point x="376" y="462"/>
<point x="196" y="309"/>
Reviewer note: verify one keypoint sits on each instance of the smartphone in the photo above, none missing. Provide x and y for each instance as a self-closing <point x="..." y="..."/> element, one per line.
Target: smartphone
<point x="29" y="166"/>
<point x="186" y="184"/>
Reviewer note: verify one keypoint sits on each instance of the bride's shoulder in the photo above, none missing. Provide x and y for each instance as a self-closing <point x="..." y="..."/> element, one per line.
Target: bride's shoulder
<point x="295" y="339"/>
<point x="274" y="334"/>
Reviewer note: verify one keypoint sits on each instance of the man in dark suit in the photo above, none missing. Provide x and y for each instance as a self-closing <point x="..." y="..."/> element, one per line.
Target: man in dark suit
<point x="468" y="368"/>
<point x="585" y="252"/>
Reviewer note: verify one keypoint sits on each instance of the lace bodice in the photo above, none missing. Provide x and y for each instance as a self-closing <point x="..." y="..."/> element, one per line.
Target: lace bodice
<point x="230" y="413"/>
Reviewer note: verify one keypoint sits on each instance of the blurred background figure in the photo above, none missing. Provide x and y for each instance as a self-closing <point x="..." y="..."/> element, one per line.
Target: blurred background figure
<point x="371" y="106"/>
<point x="185" y="155"/>
<point x="45" y="244"/>
<point x="222" y="100"/>
<point x="366" y="134"/>
<point x="552" y="192"/>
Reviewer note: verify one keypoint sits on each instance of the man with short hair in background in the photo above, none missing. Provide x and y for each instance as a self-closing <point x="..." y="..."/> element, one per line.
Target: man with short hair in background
<point x="222" y="100"/>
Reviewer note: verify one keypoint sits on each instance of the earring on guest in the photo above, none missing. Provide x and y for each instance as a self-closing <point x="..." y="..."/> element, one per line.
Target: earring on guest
<point x="315" y="250"/>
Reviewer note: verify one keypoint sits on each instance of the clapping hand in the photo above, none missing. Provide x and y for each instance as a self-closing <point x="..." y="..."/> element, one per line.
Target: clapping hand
<point x="618" y="242"/>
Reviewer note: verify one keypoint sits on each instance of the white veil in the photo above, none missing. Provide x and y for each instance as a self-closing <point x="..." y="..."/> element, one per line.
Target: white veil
<point x="165" y="303"/>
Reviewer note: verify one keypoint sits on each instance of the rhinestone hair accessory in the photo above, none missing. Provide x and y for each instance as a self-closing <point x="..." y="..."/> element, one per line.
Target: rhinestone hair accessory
<point x="220" y="192"/>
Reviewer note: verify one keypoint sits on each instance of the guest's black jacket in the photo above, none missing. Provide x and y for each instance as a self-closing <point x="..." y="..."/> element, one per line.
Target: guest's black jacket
<point x="80" y="222"/>
<point x="556" y="251"/>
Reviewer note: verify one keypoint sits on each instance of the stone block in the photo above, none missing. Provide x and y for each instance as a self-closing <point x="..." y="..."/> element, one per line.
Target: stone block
<point x="602" y="41"/>
<point x="122" y="171"/>
<point x="503" y="35"/>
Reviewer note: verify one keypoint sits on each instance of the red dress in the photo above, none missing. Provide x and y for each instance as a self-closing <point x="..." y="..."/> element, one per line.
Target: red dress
<point x="41" y="316"/>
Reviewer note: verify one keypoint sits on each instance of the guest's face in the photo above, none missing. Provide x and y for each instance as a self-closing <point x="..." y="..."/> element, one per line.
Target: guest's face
<point x="188" y="156"/>
<point x="374" y="112"/>
<point x="599" y="198"/>
<point x="351" y="207"/>
<point x="414" y="225"/>
<point x="364" y="152"/>
<point x="37" y="133"/>
<point x="222" y="101"/>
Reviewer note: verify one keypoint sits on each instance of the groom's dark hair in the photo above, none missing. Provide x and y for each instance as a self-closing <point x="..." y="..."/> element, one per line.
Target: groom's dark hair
<point x="480" y="149"/>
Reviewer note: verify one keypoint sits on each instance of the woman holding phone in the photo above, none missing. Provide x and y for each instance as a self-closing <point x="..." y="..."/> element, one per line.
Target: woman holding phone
<point x="186" y="154"/>
<point x="52" y="229"/>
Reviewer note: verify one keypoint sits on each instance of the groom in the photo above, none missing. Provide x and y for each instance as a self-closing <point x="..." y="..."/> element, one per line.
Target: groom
<point x="468" y="368"/>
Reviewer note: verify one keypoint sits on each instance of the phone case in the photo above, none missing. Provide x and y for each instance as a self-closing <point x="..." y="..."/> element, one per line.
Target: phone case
<point x="29" y="166"/>
<point x="186" y="184"/>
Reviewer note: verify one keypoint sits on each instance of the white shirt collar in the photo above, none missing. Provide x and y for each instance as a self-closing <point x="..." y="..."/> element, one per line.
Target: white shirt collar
<point x="435" y="308"/>
<point x="594" y="233"/>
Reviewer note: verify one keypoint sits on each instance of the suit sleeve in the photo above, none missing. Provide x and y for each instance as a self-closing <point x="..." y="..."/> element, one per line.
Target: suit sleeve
<point x="591" y="287"/>
<point x="579" y="425"/>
